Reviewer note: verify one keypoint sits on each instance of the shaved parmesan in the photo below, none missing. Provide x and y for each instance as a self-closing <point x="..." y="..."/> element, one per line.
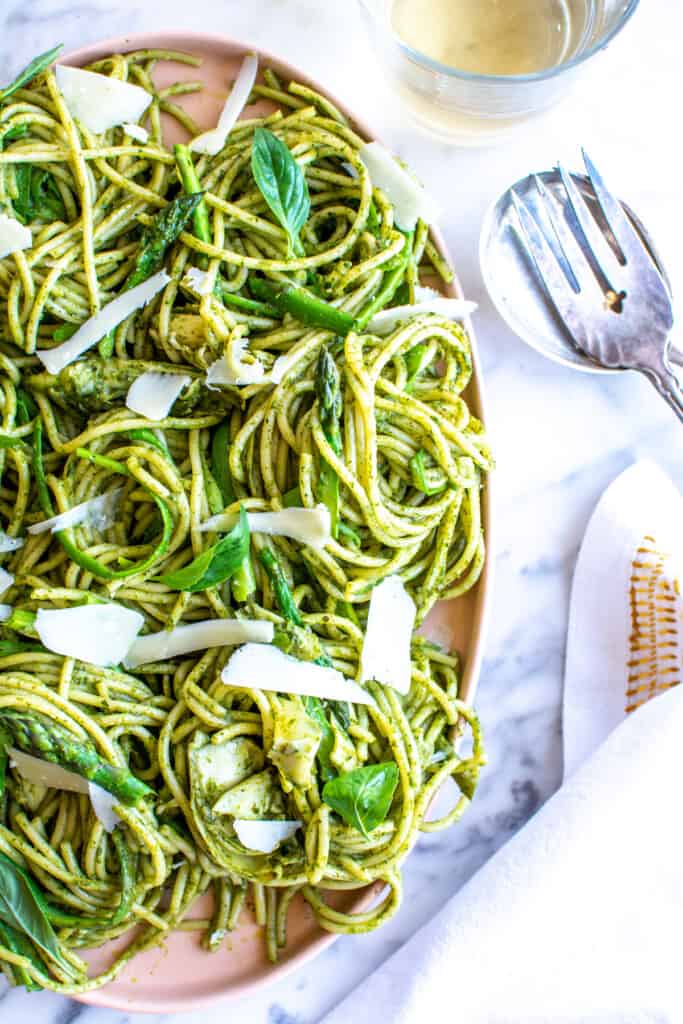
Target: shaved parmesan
<point x="387" y="320"/>
<point x="233" y="368"/>
<point x="153" y="394"/>
<point x="136" y="131"/>
<point x="264" y="836"/>
<point x="9" y="543"/>
<point x="97" y="512"/>
<point x="13" y="236"/>
<point x="260" y="667"/>
<point x="310" y="526"/>
<point x="409" y="199"/>
<point x="212" y="142"/>
<point x="198" y="281"/>
<point x="423" y="293"/>
<point x="99" y="101"/>
<point x="282" y="366"/>
<point x="103" y="806"/>
<point x="101" y="634"/>
<point x="386" y="648"/>
<point x="44" y="773"/>
<point x="96" y="327"/>
<point x="198" y="636"/>
<point x="5" y="611"/>
<point x="6" y="581"/>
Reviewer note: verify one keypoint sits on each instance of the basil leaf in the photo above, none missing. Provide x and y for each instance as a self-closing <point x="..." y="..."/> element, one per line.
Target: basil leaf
<point x="282" y="184"/>
<point x="21" y="909"/>
<point x="363" y="796"/>
<point x="37" y="65"/>
<point x="215" y="565"/>
<point x="37" y="195"/>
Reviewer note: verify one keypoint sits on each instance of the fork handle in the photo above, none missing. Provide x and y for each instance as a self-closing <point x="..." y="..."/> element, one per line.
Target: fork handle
<point x="668" y="385"/>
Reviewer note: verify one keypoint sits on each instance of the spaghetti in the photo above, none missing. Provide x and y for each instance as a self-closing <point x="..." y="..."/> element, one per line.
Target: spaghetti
<point x="406" y="466"/>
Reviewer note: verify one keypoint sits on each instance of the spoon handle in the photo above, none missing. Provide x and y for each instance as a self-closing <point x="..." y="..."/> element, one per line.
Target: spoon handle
<point x="668" y="386"/>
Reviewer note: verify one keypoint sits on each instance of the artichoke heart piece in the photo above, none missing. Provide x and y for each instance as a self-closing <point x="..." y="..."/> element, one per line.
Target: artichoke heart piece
<point x="218" y="766"/>
<point x="296" y="738"/>
<point x="256" y="798"/>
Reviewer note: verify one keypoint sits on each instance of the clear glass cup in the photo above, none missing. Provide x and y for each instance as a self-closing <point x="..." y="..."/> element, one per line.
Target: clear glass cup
<point x="473" y="109"/>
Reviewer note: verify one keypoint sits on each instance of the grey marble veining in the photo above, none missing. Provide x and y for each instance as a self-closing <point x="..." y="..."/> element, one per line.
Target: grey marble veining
<point x="559" y="437"/>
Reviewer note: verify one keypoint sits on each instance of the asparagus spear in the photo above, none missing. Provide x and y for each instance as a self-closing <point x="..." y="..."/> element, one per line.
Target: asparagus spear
<point x="37" y="735"/>
<point x="94" y="385"/>
<point x="160" y="234"/>
<point x="279" y="583"/>
<point x="328" y="388"/>
<point x="303" y="306"/>
<point x="296" y="639"/>
<point x="190" y="182"/>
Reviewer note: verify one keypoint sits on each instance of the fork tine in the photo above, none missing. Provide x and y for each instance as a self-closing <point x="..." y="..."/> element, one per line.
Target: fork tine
<point x="596" y="242"/>
<point x="625" y="234"/>
<point x="559" y="232"/>
<point x="565" y="301"/>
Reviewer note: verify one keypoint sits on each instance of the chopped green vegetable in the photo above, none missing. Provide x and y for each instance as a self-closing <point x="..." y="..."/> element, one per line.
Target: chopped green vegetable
<point x="220" y="450"/>
<point x="393" y="278"/>
<point x="127" y="867"/>
<point x="149" y="437"/>
<point x="37" y="735"/>
<point x="362" y="797"/>
<point x="18" y="943"/>
<point x="158" y="236"/>
<point x="66" y="537"/>
<point x="417" y="360"/>
<point x="328" y="390"/>
<point x="249" y="305"/>
<point x="278" y="582"/>
<point x="422" y="476"/>
<point x="316" y="709"/>
<point x="282" y="184"/>
<point x="190" y="182"/>
<point x="94" y="384"/>
<point x="26" y="407"/>
<point x="304" y="306"/>
<point x="215" y="565"/>
<point x="38" y="64"/>
<point x="293" y="498"/>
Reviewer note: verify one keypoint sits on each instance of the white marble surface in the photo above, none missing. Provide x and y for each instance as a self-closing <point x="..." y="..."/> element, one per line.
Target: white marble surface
<point x="559" y="436"/>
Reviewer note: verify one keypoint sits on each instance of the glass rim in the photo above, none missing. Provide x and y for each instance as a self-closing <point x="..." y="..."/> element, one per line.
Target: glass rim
<point x="535" y="76"/>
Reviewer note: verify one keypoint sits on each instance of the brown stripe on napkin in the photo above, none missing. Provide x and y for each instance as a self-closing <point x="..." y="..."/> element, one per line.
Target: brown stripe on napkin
<point x="656" y="639"/>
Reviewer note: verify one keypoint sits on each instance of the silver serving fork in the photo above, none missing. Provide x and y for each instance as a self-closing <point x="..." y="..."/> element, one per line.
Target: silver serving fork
<point x="608" y="293"/>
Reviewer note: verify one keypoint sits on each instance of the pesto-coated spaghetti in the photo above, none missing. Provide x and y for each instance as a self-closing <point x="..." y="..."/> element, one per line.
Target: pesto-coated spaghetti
<point x="373" y="427"/>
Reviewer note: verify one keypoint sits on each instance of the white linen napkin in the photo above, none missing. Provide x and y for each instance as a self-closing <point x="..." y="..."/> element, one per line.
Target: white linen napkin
<point x="578" y="918"/>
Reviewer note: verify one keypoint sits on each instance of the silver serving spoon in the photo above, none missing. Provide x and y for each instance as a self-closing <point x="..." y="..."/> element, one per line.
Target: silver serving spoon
<point x="576" y="275"/>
